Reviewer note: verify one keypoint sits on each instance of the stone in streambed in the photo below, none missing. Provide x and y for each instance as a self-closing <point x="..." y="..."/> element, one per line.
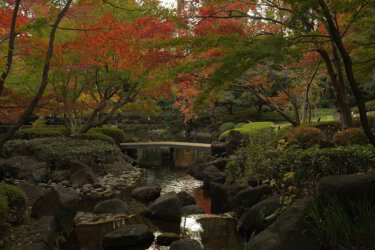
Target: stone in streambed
<point x="128" y="236"/>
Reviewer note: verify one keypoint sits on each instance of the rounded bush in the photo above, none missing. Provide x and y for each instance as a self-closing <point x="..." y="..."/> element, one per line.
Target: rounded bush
<point x="351" y="136"/>
<point x="305" y="137"/>
<point x="118" y="135"/>
<point x="226" y="126"/>
<point x="328" y="128"/>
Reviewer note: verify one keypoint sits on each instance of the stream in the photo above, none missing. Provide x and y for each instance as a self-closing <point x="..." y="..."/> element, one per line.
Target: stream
<point x="213" y="231"/>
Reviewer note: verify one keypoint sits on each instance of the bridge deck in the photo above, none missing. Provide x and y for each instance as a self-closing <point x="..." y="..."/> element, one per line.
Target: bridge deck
<point x="187" y="145"/>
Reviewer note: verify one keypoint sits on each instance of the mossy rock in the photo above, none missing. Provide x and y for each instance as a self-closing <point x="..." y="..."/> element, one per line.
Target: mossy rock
<point x="15" y="204"/>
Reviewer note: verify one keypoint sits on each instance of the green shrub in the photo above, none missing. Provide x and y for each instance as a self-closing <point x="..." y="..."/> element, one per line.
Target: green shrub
<point x="252" y="162"/>
<point x="370" y="106"/>
<point x="32" y="133"/>
<point x="226" y="126"/>
<point x="248" y="129"/>
<point x="240" y="125"/>
<point x="262" y="161"/>
<point x="16" y="201"/>
<point x="60" y="151"/>
<point x="341" y="227"/>
<point x="350" y="136"/>
<point x="328" y="128"/>
<point x="305" y="137"/>
<point x="94" y="136"/>
<point x="118" y="135"/>
<point x="311" y="164"/>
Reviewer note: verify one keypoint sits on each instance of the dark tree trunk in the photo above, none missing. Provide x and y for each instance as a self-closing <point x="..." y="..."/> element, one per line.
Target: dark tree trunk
<point x="339" y="89"/>
<point x="336" y="36"/>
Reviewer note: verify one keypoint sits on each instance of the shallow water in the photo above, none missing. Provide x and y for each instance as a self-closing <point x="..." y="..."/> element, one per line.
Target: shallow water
<point x="213" y="231"/>
<point x="172" y="179"/>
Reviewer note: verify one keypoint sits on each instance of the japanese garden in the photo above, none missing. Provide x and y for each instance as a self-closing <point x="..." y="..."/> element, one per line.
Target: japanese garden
<point x="177" y="124"/>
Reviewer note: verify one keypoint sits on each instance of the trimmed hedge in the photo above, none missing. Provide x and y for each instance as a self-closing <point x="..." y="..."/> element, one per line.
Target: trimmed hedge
<point x="314" y="163"/>
<point x="248" y="129"/>
<point x="351" y="136"/>
<point x="32" y="133"/>
<point x="58" y="152"/>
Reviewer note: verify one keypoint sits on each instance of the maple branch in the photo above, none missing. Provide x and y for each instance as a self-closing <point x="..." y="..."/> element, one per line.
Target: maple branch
<point x="122" y="8"/>
<point x="82" y="29"/>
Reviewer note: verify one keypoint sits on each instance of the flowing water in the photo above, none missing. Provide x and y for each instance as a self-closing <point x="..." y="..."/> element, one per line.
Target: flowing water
<point x="213" y="231"/>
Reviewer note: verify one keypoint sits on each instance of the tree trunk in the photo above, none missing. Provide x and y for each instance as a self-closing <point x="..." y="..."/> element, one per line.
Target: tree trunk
<point x="260" y="108"/>
<point x="44" y="81"/>
<point x="296" y="112"/>
<point x="336" y="36"/>
<point x="12" y="38"/>
<point x="338" y="87"/>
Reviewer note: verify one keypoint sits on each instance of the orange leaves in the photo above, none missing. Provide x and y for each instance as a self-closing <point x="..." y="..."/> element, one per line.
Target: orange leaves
<point x="186" y="95"/>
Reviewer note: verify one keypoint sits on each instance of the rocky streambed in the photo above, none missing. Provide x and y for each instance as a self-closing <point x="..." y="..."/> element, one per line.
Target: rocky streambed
<point x="182" y="211"/>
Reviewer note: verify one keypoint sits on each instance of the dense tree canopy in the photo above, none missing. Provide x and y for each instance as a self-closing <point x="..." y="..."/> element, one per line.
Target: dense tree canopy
<point x="93" y="59"/>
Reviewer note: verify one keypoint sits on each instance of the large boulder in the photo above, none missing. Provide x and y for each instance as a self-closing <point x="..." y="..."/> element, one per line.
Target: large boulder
<point x="254" y="220"/>
<point x="112" y="206"/>
<point x="166" y="207"/>
<point x="234" y="141"/>
<point x="76" y="165"/>
<point x="129" y="236"/>
<point x="222" y="197"/>
<point x="60" y="175"/>
<point x="196" y="170"/>
<point x="212" y="174"/>
<point x="166" y="239"/>
<point x="61" y="204"/>
<point x="218" y="148"/>
<point x="25" y="168"/>
<point x="186" y="244"/>
<point x="185" y="198"/>
<point x="82" y="177"/>
<point x="191" y="209"/>
<point x="288" y="232"/>
<point x="42" y="234"/>
<point x="247" y="198"/>
<point x="348" y="188"/>
<point x="146" y="194"/>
